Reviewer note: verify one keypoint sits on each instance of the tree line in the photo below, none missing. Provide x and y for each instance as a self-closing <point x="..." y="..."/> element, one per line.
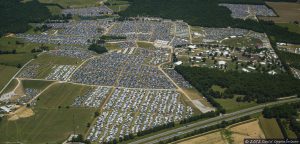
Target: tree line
<point x="260" y="87"/>
<point x="97" y="48"/>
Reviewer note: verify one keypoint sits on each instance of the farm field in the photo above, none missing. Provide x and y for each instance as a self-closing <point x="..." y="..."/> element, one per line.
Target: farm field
<point x="288" y="12"/>
<point x="212" y="138"/>
<point x="270" y="128"/>
<point x="232" y="134"/>
<point x="247" y="130"/>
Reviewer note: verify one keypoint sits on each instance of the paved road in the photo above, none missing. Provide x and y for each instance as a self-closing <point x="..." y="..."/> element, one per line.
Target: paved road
<point x="212" y="121"/>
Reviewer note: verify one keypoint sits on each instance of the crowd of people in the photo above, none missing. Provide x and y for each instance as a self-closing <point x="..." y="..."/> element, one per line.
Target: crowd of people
<point x="130" y="111"/>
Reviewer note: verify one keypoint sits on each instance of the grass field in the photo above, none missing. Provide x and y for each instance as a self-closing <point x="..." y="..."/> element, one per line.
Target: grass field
<point x="23" y="51"/>
<point x="145" y="45"/>
<point x="270" y="128"/>
<point x="242" y="42"/>
<point x="195" y="95"/>
<point x="72" y="3"/>
<point x="36" y="84"/>
<point x="61" y="94"/>
<point x="231" y="105"/>
<point x="46" y="125"/>
<point x="112" y="46"/>
<point x="217" y="88"/>
<point x="46" y="63"/>
<point x="50" y="59"/>
<point x="291" y="27"/>
<point x="118" y="6"/>
<point x="6" y="73"/>
<point x="49" y="124"/>
<point x="15" y="59"/>
<point x="288" y="12"/>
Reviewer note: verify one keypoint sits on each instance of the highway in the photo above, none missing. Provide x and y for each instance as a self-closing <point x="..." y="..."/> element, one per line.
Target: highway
<point x="209" y="122"/>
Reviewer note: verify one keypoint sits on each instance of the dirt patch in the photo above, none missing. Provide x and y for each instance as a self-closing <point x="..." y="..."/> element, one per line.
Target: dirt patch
<point x="288" y="12"/>
<point x="213" y="138"/>
<point x="195" y="95"/>
<point x="22" y="112"/>
<point x="19" y="91"/>
<point x="10" y="35"/>
<point x="247" y="130"/>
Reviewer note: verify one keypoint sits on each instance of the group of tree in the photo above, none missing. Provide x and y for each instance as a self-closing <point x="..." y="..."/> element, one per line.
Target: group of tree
<point x="16" y="15"/>
<point x="40" y="49"/>
<point x="79" y="138"/>
<point x="201" y="116"/>
<point x="107" y="37"/>
<point x="206" y="13"/>
<point x="254" y="86"/>
<point x="282" y="111"/>
<point x="288" y="113"/>
<point x="97" y="48"/>
<point x="42" y="28"/>
<point x="291" y="59"/>
<point x="155" y="129"/>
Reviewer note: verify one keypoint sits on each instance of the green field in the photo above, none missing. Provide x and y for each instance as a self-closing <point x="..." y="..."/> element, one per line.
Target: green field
<point x="60" y="95"/>
<point x="242" y="42"/>
<point x="46" y="126"/>
<point x="231" y="105"/>
<point x="117" y="6"/>
<point x="72" y="3"/>
<point x="6" y="73"/>
<point x="23" y="51"/>
<point x="46" y="63"/>
<point x="15" y="59"/>
<point x="60" y="60"/>
<point x="50" y="124"/>
<point x="270" y="127"/>
<point x="36" y="84"/>
<point x="145" y="45"/>
<point x="291" y="27"/>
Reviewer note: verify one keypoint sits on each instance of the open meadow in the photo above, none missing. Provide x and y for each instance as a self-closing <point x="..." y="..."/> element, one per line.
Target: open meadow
<point x="52" y="121"/>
